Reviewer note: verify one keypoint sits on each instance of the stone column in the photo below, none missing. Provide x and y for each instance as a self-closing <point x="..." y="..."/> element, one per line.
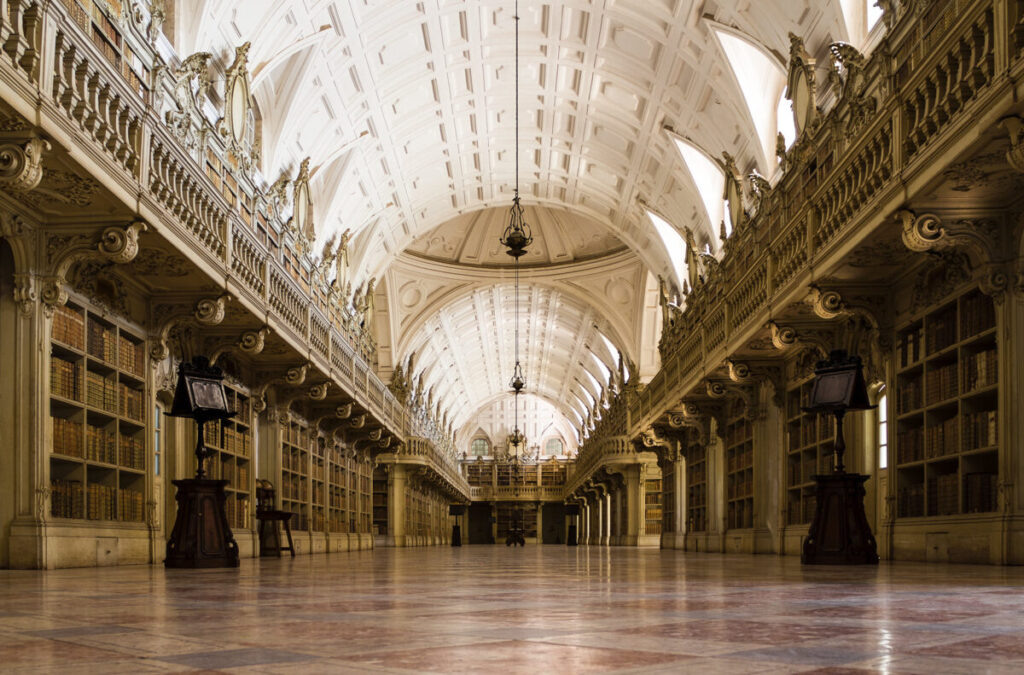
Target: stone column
<point x="540" y="522"/>
<point x="396" y="505"/>
<point x="606" y="507"/>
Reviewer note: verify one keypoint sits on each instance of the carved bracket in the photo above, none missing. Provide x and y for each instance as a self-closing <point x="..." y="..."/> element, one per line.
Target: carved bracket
<point x="21" y="162"/>
<point x="118" y="245"/>
<point x="207" y="312"/>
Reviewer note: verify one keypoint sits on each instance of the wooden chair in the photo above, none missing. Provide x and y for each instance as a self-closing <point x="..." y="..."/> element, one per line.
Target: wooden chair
<point x="269" y="517"/>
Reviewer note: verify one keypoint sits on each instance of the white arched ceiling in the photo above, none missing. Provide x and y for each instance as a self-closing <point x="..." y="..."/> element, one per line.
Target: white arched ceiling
<point x="466" y="350"/>
<point x="406" y="112"/>
<point x="431" y="84"/>
<point x="539" y="420"/>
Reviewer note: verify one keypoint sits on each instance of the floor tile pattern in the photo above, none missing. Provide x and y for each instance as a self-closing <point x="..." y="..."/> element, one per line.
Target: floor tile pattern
<point x="481" y="609"/>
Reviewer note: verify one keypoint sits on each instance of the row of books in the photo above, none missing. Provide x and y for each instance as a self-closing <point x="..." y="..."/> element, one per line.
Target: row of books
<point x="740" y="516"/>
<point x="941" y="331"/>
<point x="238" y="442"/>
<point x="942" y="439"/>
<point x="980" y="369"/>
<point x="237" y="511"/>
<point x="100" y="445"/>
<point x="101" y="392"/>
<point x="977" y="314"/>
<point x="943" y="495"/>
<point x="69" y="327"/>
<point x="296" y="462"/>
<point x="131" y="452"/>
<point x="941" y="383"/>
<point x="739" y="460"/>
<point x="296" y="435"/>
<point x="800" y="510"/>
<point x="67" y="437"/>
<point x="66" y="499"/>
<point x="129" y="506"/>
<point x="101" y="503"/>
<point x="908" y="396"/>
<point x="738" y="433"/>
<point x="980" y="491"/>
<point x="981" y="429"/>
<point x="295" y="491"/>
<point x="697" y="495"/>
<point x="696" y="474"/>
<point x="910" y="501"/>
<point x="65" y="379"/>
<point x="910" y="446"/>
<point x="102" y="342"/>
<point x="697" y="520"/>
<point x="740" y="489"/>
<point x="908" y="348"/>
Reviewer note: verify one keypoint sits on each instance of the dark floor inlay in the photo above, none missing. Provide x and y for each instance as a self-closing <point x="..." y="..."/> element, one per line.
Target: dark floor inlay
<point x="235" y="658"/>
<point x="79" y="631"/>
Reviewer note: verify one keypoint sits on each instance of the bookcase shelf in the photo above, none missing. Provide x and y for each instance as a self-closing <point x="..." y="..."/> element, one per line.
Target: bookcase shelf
<point x="810" y="448"/>
<point x="696" y="483"/>
<point x="947" y="402"/>
<point x="229" y="443"/>
<point x="94" y="18"/>
<point x="739" y="458"/>
<point x="480" y="473"/>
<point x="98" y="425"/>
<point x="552" y="473"/>
<point x="380" y="501"/>
<point x="338" y="489"/>
<point x="653" y="512"/>
<point x="295" y="458"/>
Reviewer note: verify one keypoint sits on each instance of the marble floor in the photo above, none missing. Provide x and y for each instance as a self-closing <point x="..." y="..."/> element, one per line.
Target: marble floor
<point x="483" y="609"/>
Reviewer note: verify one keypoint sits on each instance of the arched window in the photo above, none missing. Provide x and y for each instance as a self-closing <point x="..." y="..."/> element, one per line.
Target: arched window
<point x="480" y="447"/>
<point x="554" y="446"/>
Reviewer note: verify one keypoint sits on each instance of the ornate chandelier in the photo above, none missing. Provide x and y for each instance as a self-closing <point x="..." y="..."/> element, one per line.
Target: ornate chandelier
<point x="516" y="238"/>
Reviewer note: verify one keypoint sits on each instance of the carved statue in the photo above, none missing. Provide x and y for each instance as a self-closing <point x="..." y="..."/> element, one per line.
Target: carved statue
<point x="191" y="83"/>
<point x="365" y="308"/>
<point x="341" y="260"/>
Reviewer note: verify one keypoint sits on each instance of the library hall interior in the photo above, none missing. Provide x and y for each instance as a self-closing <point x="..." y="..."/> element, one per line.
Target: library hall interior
<point x="512" y="336"/>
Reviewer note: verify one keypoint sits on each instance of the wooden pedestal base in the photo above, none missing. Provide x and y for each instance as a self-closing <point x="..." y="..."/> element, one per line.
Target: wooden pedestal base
<point x="201" y="536"/>
<point x="840" y="534"/>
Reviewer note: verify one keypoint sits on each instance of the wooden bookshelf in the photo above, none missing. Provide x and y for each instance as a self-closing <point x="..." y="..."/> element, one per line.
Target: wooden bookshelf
<point x="98" y="418"/>
<point x="380" y="501"/>
<point x="653" y="512"/>
<point x="553" y="473"/>
<point x="696" y="482"/>
<point x="668" y="497"/>
<point x="318" y="485"/>
<point x="810" y="444"/>
<point x="99" y="20"/>
<point x="338" y="489"/>
<point x="480" y="473"/>
<point x="364" y="473"/>
<point x="229" y="443"/>
<point x="295" y="462"/>
<point x="946" y="404"/>
<point x="739" y="458"/>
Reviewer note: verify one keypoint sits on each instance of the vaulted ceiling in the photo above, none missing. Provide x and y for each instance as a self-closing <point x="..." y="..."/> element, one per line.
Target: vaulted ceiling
<point x="406" y="110"/>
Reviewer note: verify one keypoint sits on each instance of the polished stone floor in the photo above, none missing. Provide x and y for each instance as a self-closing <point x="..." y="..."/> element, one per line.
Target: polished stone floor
<point x="482" y="609"/>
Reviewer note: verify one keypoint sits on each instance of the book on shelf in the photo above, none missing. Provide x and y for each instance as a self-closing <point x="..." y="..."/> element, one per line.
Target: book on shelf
<point x="942" y="439"/>
<point x="977" y="314"/>
<point x="943" y="496"/>
<point x="941" y="331"/>
<point x="910" y="446"/>
<point x="100" y="445"/>
<point x="980" y="369"/>
<point x="132" y="452"/>
<point x="69" y="327"/>
<point x="64" y="379"/>
<point x="129" y="506"/>
<point x="941" y="383"/>
<point x="910" y="501"/>
<point x="102" y="502"/>
<point x="102" y="342"/>
<point x="66" y="499"/>
<point x="101" y="391"/>
<point x="67" y="437"/>
<point x="981" y="429"/>
<point x="908" y="395"/>
<point x="980" y="492"/>
<point x="909" y="347"/>
<point x="131" y="402"/>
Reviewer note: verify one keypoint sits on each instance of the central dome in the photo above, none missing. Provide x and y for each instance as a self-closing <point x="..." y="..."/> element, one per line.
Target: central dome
<point x="559" y="237"/>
